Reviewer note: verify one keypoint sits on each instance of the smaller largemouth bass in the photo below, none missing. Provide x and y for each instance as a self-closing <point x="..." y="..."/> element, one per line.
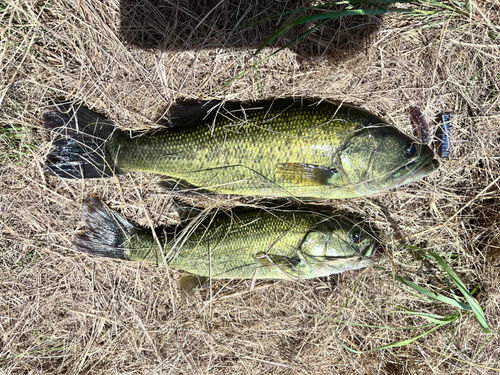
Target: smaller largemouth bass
<point x="251" y="244"/>
<point x="282" y="148"/>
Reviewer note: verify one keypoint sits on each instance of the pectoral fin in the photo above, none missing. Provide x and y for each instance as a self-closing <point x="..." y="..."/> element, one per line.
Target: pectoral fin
<point x="284" y="263"/>
<point x="189" y="283"/>
<point x="305" y="174"/>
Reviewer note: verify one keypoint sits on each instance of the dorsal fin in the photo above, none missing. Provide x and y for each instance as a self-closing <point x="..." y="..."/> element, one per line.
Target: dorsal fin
<point x="188" y="112"/>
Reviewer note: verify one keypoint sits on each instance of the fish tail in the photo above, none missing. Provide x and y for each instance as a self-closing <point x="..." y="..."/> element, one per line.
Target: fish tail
<point x="82" y="143"/>
<point x="107" y="232"/>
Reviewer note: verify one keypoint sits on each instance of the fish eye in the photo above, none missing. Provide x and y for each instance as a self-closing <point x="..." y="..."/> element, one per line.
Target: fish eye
<point x="410" y="150"/>
<point x="356" y="235"/>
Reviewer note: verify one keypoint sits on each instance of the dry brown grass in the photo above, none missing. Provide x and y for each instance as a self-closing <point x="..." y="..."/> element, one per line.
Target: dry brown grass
<point x="63" y="312"/>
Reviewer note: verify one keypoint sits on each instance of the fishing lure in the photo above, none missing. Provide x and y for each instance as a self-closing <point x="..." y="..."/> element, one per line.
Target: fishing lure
<point x="443" y="135"/>
<point x="420" y="125"/>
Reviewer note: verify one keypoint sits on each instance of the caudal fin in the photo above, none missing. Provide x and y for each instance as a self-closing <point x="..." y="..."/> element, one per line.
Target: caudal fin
<point x="81" y="137"/>
<point x="106" y="231"/>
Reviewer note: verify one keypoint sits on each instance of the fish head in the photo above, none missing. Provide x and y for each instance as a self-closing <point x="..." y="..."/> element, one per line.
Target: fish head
<point x="337" y="245"/>
<point x="380" y="157"/>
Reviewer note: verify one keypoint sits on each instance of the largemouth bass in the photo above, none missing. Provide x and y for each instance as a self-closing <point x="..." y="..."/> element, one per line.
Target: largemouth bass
<point x="283" y="148"/>
<point x="251" y="244"/>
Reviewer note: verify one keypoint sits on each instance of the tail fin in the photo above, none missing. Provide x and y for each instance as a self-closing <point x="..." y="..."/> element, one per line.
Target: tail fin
<point x="80" y="145"/>
<point x="107" y="232"/>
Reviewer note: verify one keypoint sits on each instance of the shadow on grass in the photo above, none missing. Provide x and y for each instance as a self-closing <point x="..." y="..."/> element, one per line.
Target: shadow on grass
<point x="182" y="25"/>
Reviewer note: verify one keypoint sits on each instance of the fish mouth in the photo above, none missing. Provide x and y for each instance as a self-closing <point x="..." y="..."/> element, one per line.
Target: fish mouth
<point x="428" y="165"/>
<point x="427" y="168"/>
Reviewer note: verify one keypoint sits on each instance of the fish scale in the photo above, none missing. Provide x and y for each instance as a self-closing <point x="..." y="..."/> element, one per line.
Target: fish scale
<point x="229" y="244"/>
<point x="214" y="156"/>
<point x="232" y="244"/>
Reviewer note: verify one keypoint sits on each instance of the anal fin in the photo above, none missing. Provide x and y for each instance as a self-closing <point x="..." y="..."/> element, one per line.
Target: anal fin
<point x="186" y="211"/>
<point x="190" y="283"/>
<point x="181" y="186"/>
<point x="284" y="263"/>
<point x="305" y="174"/>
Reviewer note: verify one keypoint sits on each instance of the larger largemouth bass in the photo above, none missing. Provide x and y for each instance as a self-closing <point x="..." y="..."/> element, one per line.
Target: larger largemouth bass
<point x="284" y="147"/>
<point x="251" y="244"/>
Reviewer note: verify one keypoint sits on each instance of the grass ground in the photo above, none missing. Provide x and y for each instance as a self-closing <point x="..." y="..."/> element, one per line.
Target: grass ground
<point x="63" y="312"/>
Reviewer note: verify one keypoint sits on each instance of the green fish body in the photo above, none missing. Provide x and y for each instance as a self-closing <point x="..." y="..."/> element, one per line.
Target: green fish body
<point x="282" y="148"/>
<point x="254" y="243"/>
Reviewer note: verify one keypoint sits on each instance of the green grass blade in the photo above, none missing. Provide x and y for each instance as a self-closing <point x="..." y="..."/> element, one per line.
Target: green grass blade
<point x="331" y="15"/>
<point x="436" y="319"/>
<point x="378" y="9"/>
<point x="432" y="295"/>
<point x="272" y="54"/>
<point x="473" y="304"/>
<point x="348" y="3"/>
<point x="396" y="344"/>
